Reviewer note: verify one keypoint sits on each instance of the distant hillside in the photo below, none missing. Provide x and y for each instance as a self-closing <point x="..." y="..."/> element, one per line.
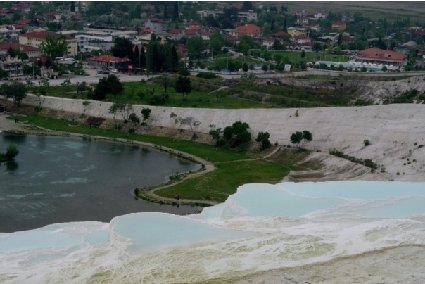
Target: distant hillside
<point x="389" y="10"/>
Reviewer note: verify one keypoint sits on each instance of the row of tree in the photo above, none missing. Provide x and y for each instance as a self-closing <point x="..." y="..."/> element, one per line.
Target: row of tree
<point x="158" y="57"/>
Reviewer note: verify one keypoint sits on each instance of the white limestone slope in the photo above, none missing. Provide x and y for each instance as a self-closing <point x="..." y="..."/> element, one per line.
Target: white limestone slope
<point x="394" y="131"/>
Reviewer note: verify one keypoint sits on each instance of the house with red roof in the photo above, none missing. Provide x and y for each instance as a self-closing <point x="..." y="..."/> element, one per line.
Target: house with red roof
<point x="250" y="30"/>
<point x="280" y="34"/>
<point x="107" y="61"/>
<point x="381" y="56"/>
<point x="22" y="24"/>
<point x="31" y="51"/>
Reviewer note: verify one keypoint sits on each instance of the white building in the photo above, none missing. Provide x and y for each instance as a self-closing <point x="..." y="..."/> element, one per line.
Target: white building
<point x="248" y="16"/>
<point x="87" y="43"/>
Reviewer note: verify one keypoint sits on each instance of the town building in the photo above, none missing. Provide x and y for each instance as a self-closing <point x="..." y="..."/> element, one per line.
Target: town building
<point x="35" y="38"/>
<point x="295" y="31"/>
<point x="109" y="62"/>
<point x="88" y="43"/>
<point x="381" y="56"/>
<point x="12" y="65"/>
<point x="208" y="13"/>
<point x="31" y="51"/>
<point x="248" y="16"/>
<point x="250" y="30"/>
<point x="156" y="26"/>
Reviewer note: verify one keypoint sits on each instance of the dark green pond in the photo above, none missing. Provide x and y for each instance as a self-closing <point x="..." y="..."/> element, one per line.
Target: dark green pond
<point x="63" y="179"/>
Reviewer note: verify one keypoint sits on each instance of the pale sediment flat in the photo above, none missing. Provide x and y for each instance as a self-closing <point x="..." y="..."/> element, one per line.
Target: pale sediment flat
<point x="404" y="264"/>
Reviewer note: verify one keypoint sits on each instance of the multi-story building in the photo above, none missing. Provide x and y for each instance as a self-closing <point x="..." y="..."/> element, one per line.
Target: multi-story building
<point x="35" y="38"/>
<point x="87" y="43"/>
<point x="32" y="52"/>
<point x="12" y="65"/>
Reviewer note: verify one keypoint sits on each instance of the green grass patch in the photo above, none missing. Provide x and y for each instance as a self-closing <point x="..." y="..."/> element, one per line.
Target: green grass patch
<point x="225" y="180"/>
<point x="227" y="177"/>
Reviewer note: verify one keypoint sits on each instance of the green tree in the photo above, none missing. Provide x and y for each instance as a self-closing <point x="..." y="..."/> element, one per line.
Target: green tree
<point x="307" y="135"/>
<point x="264" y="139"/>
<point x="245" y="67"/>
<point x="3" y="73"/>
<point x="122" y="48"/>
<point x="264" y="67"/>
<point x="175" y="11"/>
<point x="54" y="47"/>
<point x="183" y="85"/>
<point x="237" y="135"/>
<point x="296" y="137"/>
<point x="146" y="112"/>
<point x="245" y="44"/>
<point x="12" y="52"/>
<point x="136" y="57"/>
<point x="153" y="60"/>
<point x="15" y="90"/>
<point x="135" y="120"/>
<point x="195" y="46"/>
<point x="109" y="85"/>
<point x="216" y="42"/>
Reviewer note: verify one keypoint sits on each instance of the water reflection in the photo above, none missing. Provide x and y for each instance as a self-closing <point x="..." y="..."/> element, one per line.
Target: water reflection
<point x="80" y="179"/>
<point x="16" y="138"/>
<point x="11" y="166"/>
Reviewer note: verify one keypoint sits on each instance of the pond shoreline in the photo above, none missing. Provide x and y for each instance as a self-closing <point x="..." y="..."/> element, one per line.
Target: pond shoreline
<point x="144" y="193"/>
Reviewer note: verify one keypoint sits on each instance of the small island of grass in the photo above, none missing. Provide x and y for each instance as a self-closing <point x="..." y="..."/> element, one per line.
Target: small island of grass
<point x="10" y="154"/>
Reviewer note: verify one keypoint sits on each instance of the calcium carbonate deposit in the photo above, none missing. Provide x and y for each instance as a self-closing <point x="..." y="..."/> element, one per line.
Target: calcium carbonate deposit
<point x="260" y="228"/>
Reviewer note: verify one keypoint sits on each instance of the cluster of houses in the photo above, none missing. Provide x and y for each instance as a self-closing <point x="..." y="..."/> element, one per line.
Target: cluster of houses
<point x="94" y="41"/>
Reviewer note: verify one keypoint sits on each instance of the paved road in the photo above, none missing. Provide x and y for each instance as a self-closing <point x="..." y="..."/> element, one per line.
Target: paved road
<point x="324" y="72"/>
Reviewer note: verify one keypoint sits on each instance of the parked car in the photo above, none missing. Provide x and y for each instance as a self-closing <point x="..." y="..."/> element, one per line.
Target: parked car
<point x="102" y="72"/>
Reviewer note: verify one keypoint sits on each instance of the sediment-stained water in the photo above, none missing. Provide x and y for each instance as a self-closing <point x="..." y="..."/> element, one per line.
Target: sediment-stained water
<point x="260" y="228"/>
<point x="62" y="179"/>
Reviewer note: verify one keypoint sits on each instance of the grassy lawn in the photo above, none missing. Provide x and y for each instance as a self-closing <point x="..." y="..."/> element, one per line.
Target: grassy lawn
<point x="231" y="171"/>
<point x="143" y="93"/>
<point x="225" y="180"/>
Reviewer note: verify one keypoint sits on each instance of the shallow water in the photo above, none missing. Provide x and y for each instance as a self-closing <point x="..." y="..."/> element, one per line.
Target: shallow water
<point x="63" y="179"/>
<point x="260" y="228"/>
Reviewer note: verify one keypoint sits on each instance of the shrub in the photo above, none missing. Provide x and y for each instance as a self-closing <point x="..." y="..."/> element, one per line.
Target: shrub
<point x="264" y="139"/>
<point x="159" y="99"/>
<point x="207" y="75"/>
<point x="11" y="152"/>
<point x="95" y="121"/>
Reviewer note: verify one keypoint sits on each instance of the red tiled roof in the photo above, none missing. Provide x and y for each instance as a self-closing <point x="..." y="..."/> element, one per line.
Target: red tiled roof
<point x="338" y="24"/>
<point x="380" y="54"/>
<point x="175" y="31"/>
<point x="26" y="48"/>
<point x="41" y="35"/>
<point x="108" y="58"/>
<point x="248" y="29"/>
<point x="280" y="34"/>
